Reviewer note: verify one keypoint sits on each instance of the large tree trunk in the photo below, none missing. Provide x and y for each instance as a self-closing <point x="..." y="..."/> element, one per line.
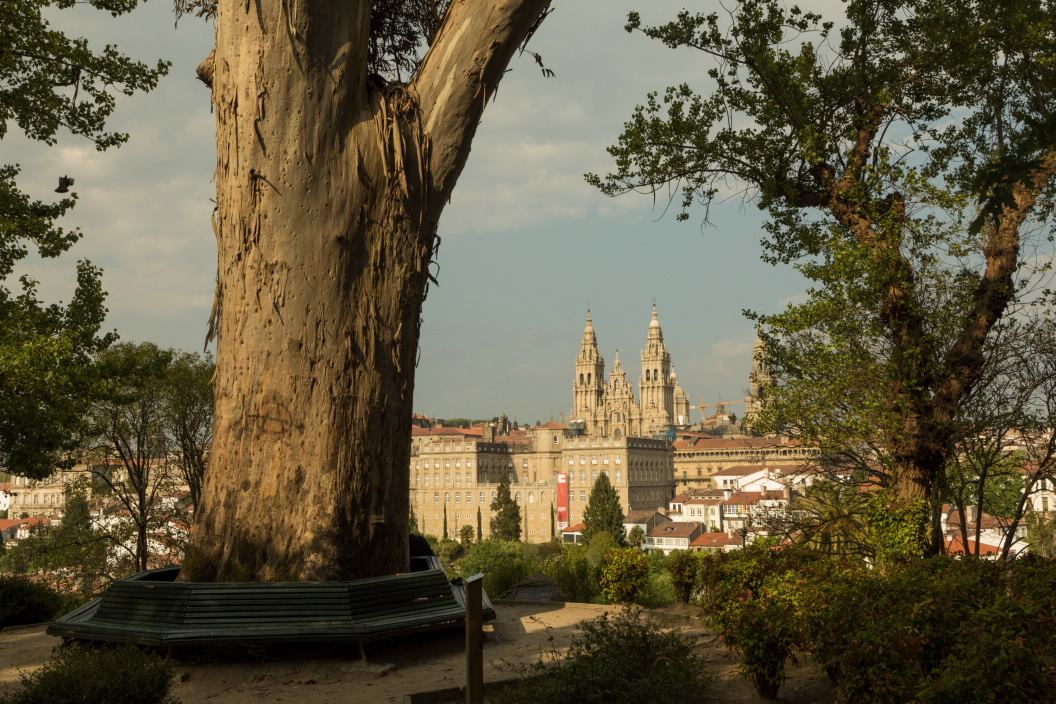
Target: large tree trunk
<point x="328" y="197"/>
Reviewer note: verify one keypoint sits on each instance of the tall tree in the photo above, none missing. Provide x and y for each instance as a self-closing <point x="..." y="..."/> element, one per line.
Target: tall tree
<point x="505" y="513"/>
<point x="903" y="160"/>
<point x="330" y="185"/>
<point x="603" y="513"/>
<point x="50" y="83"/>
<point x="129" y="457"/>
<point x="187" y="415"/>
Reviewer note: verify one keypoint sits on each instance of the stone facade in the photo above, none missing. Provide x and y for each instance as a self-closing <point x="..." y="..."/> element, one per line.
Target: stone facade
<point x="698" y="456"/>
<point x="457" y="472"/>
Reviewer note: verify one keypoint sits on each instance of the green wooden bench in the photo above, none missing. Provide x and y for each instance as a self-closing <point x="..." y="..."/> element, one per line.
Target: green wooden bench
<point x="151" y="609"/>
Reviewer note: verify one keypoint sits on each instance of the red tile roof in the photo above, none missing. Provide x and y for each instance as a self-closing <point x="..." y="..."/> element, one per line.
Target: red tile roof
<point x="954" y="545"/>
<point x="9" y="523"/>
<point x="715" y="540"/>
<point x="554" y="425"/>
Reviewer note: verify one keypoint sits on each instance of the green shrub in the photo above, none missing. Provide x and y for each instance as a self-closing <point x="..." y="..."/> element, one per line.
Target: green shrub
<point x="23" y="601"/>
<point x="504" y="564"/>
<point x="684" y="568"/>
<point x="935" y="630"/>
<point x="619" y="659"/>
<point x="757" y="599"/>
<point x="658" y="591"/>
<point x="574" y="573"/>
<point x="624" y="575"/>
<point x="99" y="675"/>
<point x="657" y="561"/>
<point x="447" y="550"/>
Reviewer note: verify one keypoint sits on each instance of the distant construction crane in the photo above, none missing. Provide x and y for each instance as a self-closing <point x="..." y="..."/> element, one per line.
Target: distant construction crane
<point x="720" y="407"/>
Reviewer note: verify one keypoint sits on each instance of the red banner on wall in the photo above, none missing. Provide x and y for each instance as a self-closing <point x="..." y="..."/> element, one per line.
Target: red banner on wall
<point x="562" y="501"/>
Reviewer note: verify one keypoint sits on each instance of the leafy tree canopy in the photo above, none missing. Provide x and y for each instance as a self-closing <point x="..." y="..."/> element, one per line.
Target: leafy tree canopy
<point x="49" y="83"/>
<point x="906" y="159"/>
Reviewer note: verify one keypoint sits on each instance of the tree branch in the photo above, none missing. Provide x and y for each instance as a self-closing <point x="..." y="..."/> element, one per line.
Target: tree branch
<point x="460" y="74"/>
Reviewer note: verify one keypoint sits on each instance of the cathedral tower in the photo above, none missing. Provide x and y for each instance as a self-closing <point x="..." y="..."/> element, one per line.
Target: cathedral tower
<point x="657" y="387"/>
<point x="589" y="383"/>
<point x="759" y="378"/>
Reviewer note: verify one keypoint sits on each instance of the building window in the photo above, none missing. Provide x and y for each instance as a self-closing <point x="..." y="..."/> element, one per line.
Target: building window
<point x="458" y="477"/>
<point x="469" y="463"/>
<point x="447" y="478"/>
<point x="555" y="439"/>
<point x="617" y="459"/>
<point x="531" y="497"/>
<point x="518" y="497"/>
<point x="469" y="478"/>
<point x="436" y="497"/>
<point x="594" y="476"/>
<point x="447" y="498"/>
<point x="571" y="459"/>
<point x="605" y="459"/>
<point x="458" y="461"/>
<point x="619" y="477"/>
<point x="582" y="459"/>
<point x="593" y="459"/>
<point x="482" y="497"/>
<point x="524" y="477"/>
<point x="524" y="462"/>
<point x="583" y="495"/>
<point x="447" y="463"/>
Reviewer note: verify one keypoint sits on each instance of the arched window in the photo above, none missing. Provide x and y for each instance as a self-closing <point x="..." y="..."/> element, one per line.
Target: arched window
<point x="617" y="433"/>
<point x="647" y="375"/>
<point x="518" y="497"/>
<point x="447" y="498"/>
<point x="656" y="375"/>
<point x="588" y="377"/>
<point x="617" y="417"/>
<point x="581" y="379"/>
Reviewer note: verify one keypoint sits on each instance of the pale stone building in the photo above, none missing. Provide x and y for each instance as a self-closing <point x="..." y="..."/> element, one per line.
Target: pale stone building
<point x="43" y="497"/>
<point x="456" y="472"/>
<point x="698" y="456"/>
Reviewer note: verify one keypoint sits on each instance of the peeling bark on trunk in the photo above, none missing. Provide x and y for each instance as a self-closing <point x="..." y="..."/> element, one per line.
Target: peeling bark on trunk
<point x="328" y="197"/>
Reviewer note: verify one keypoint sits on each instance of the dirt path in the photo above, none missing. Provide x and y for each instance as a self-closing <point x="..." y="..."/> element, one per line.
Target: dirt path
<point x="423" y="663"/>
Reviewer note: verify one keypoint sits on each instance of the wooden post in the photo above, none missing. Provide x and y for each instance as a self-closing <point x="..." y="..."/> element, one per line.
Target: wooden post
<point x="474" y="639"/>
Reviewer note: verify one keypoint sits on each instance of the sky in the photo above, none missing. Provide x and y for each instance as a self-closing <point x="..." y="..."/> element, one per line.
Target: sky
<point x="527" y="245"/>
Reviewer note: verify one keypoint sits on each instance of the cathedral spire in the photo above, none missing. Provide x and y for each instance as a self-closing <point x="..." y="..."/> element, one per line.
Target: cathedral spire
<point x="589" y="348"/>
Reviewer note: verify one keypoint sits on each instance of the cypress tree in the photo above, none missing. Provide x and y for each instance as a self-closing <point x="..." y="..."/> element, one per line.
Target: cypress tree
<point x="505" y="513"/>
<point x="603" y="513"/>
